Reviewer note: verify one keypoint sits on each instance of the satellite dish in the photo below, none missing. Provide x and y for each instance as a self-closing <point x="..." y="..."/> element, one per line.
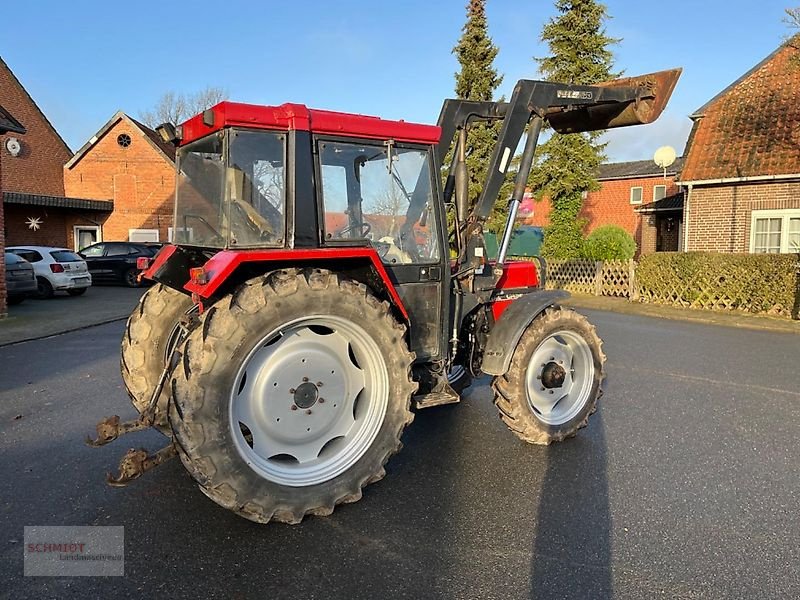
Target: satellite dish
<point x="13" y="146"/>
<point x="664" y="156"/>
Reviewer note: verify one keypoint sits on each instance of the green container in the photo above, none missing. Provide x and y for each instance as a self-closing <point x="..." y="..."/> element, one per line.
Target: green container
<point x="525" y="241"/>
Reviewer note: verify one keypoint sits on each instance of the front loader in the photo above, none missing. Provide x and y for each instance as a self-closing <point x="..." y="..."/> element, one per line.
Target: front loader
<point x="309" y="304"/>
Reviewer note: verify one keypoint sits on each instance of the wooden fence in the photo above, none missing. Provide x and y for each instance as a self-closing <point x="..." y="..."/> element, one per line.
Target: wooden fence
<point x="729" y="287"/>
<point x="600" y="278"/>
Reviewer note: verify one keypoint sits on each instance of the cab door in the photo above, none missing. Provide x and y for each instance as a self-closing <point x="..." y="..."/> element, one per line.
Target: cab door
<point x="385" y="194"/>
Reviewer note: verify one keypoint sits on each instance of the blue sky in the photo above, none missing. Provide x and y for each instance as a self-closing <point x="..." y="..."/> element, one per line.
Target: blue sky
<point x="83" y="60"/>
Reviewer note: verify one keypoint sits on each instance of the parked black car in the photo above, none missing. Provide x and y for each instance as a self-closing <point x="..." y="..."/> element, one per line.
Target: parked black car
<point x="20" y="280"/>
<point x="115" y="262"/>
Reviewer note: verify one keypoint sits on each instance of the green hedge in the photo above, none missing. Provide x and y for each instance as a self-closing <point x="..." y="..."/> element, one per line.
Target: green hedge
<point x="749" y="282"/>
<point x="609" y="242"/>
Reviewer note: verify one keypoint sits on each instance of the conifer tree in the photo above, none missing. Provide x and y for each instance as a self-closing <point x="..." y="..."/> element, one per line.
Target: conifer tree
<point x="478" y="80"/>
<point x="567" y="165"/>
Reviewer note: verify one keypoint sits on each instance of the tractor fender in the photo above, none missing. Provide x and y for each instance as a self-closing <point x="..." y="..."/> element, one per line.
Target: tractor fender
<point x="228" y="268"/>
<point x="507" y="332"/>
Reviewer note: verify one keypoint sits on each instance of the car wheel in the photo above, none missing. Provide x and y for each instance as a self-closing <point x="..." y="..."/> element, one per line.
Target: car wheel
<point x="131" y="278"/>
<point x="43" y="288"/>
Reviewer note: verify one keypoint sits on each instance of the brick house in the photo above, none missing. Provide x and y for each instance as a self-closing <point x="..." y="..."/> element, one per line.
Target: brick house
<point x="32" y="179"/>
<point x="637" y="196"/>
<point x="742" y="170"/>
<point x="127" y="162"/>
<point x="8" y="124"/>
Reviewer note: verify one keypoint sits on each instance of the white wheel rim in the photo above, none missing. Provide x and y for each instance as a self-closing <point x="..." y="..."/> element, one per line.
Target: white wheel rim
<point x="312" y="395"/>
<point x="560" y="377"/>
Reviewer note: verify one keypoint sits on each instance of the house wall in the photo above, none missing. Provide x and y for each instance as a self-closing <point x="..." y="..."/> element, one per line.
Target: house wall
<point x="38" y="168"/>
<point x="719" y="216"/>
<point x="56" y="225"/>
<point x="610" y="205"/>
<point x="139" y="179"/>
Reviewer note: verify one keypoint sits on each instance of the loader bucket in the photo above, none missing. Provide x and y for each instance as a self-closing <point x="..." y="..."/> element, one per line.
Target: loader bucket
<point x="656" y="90"/>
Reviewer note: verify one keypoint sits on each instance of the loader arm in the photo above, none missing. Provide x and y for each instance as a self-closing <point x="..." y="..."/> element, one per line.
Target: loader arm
<point x="566" y="108"/>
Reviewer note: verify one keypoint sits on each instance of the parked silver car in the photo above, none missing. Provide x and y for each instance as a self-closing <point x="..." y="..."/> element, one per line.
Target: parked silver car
<point x="20" y="280"/>
<point x="56" y="269"/>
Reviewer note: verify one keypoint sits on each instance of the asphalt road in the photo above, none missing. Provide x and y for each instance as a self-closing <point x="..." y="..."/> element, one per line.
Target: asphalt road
<point x="684" y="485"/>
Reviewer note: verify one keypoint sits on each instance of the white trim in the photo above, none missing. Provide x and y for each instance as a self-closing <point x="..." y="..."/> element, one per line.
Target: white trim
<point x="686" y="214"/>
<point x="75" y="229"/>
<point x="171" y="234"/>
<point x="641" y="194"/>
<point x="147" y="231"/>
<point x="783" y="214"/>
<point x="754" y="178"/>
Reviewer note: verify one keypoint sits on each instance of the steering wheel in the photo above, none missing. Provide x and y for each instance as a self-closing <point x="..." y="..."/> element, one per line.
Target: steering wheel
<point x="365" y="229"/>
<point x="408" y="244"/>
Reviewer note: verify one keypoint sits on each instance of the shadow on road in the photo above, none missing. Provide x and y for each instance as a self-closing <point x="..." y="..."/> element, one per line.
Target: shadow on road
<point x="572" y="547"/>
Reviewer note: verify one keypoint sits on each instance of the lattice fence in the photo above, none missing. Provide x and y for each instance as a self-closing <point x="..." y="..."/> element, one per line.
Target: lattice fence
<point x="752" y="283"/>
<point x="572" y="275"/>
<point x="585" y="276"/>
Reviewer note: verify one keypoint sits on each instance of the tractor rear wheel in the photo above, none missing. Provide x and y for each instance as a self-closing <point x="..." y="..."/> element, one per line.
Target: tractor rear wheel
<point x="554" y="380"/>
<point x="151" y="334"/>
<point x="291" y="395"/>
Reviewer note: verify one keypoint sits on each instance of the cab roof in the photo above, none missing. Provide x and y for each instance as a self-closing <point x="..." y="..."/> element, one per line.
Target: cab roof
<point x="298" y="117"/>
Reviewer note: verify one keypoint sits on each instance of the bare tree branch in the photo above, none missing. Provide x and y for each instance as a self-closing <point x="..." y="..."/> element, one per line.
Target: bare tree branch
<point x="175" y="108"/>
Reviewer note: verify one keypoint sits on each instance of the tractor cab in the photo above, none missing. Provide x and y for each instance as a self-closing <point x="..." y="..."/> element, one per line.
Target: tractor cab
<point x="372" y="185"/>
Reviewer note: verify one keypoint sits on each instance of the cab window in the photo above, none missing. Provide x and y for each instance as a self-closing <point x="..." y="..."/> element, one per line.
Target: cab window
<point x="380" y="193"/>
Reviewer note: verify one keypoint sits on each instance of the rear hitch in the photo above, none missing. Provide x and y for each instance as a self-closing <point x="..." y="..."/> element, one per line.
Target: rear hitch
<point x="136" y="463"/>
<point x="111" y="428"/>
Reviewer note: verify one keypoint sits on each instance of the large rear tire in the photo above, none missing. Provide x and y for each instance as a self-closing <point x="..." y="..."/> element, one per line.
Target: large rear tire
<point x="554" y="380"/>
<point x="151" y="334"/>
<point x="291" y="396"/>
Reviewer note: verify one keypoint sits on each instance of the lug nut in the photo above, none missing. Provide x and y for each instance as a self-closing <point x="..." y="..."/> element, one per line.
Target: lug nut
<point x="294" y="407"/>
<point x="305" y="379"/>
<point x="551" y="391"/>
<point x="319" y="384"/>
<point x="308" y="412"/>
<point x="292" y="390"/>
<point x="321" y="400"/>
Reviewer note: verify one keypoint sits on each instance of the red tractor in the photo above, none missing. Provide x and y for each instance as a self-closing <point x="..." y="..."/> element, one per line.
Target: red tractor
<point x="313" y="297"/>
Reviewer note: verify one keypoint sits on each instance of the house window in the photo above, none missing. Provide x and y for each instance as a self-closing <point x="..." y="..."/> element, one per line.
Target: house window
<point x="142" y="235"/>
<point x="636" y="195"/>
<point x="775" y="231"/>
<point x="659" y="192"/>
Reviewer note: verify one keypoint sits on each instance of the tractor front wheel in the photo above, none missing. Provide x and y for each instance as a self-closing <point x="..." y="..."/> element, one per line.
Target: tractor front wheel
<point x="292" y="394"/>
<point x="553" y="382"/>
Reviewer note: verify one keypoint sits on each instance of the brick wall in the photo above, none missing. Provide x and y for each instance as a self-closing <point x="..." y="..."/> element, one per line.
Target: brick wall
<point x="55" y="230"/>
<point x="611" y="205"/>
<point x="719" y="216"/>
<point x="3" y="293"/>
<point x="38" y="169"/>
<point x="139" y="178"/>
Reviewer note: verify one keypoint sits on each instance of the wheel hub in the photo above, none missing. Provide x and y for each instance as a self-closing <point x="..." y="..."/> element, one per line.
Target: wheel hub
<point x="306" y="395"/>
<point x="553" y="375"/>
